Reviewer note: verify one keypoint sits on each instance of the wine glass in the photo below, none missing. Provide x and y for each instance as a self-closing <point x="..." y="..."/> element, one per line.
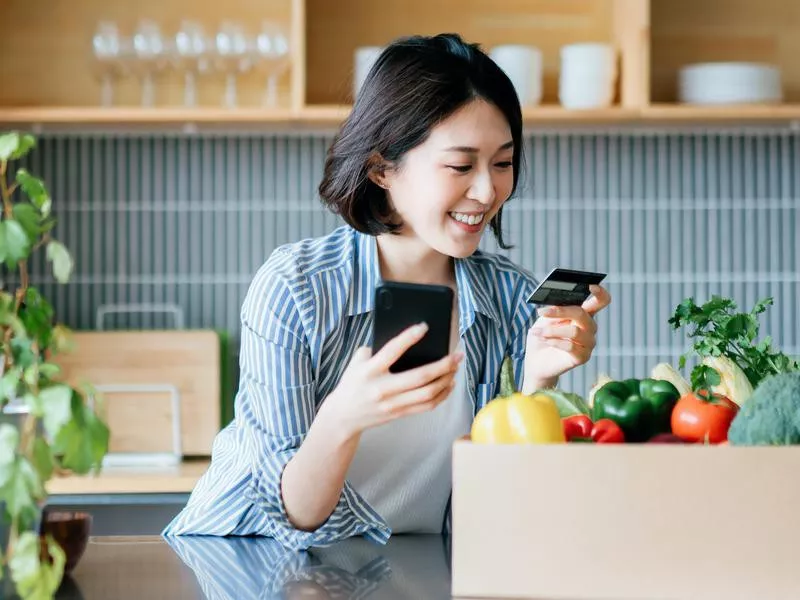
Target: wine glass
<point x="192" y="50"/>
<point x="271" y="48"/>
<point x="108" y="49"/>
<point x="150" y="50"/>
<point x="232" y="57"/>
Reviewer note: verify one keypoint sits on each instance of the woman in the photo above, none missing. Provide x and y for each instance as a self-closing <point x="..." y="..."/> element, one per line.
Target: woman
<point x="327" y="443"/>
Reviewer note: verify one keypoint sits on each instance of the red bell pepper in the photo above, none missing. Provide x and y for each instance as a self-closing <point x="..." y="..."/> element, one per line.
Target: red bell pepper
<point x="579" y="428"/>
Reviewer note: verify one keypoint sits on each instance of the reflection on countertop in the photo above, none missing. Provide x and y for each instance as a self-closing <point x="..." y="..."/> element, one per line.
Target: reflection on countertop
<point x="152" y="568"/>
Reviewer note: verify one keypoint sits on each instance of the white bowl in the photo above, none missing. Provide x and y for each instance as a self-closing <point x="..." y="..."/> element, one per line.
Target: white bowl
<point x="729" y="83"/>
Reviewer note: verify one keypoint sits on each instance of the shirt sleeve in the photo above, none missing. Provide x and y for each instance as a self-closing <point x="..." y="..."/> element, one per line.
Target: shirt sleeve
<point x="522" y="319"/>
<point x="279" y="405"/>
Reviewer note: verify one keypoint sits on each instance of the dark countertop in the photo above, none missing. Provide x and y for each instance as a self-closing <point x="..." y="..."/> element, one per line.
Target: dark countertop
<point x="152" y="568"/>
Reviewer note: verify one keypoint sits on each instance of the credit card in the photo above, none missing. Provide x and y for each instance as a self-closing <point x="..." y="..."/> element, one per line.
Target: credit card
<point x="565" y="287"/>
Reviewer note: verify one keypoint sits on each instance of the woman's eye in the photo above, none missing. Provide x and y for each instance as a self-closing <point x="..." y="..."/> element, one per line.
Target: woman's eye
<point x="504" y="165"/>
<point x="460" y="168"/>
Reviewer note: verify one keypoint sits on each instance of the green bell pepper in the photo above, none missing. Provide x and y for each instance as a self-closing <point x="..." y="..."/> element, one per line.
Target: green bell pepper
<point x="641" y="407"/>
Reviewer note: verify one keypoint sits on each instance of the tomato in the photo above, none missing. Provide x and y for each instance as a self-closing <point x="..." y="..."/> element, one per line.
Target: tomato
<point x="695" y="418"/>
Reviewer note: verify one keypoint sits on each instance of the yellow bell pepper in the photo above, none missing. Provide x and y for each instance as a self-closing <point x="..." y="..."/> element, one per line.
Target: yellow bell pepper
<point x="515" y="418"/>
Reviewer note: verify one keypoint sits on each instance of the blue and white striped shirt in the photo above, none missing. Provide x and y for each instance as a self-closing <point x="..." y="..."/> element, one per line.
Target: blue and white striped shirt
<point x="308" y="309"/>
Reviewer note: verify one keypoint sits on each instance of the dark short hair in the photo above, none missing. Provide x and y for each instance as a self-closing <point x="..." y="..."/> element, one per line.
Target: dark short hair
<point x="415" y="83"/>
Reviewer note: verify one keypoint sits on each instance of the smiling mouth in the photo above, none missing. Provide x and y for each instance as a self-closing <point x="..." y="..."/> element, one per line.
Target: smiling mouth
<point x="467" y="219"/>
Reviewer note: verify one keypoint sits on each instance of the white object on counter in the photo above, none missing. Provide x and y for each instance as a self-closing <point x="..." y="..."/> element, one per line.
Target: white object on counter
<point x="523" y="65"/>
<point x="729" y="83"/>
<point x="588" y="76"/>
<point x="364" y="58"/>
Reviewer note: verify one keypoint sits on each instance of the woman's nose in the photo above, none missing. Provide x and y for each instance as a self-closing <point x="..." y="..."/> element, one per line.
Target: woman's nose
<point x="482" y="189"/>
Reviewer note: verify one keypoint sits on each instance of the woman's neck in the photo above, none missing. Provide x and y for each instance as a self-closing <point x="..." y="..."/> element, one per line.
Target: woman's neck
<point x="406" y="259"/>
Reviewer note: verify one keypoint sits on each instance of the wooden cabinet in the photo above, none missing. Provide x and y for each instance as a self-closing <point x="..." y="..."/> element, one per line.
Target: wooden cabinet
<point x="685" y="32"/>
<point x="50" y="77"/>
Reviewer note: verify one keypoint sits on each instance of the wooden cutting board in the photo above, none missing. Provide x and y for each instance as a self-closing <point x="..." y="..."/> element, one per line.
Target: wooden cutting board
<point x="142" y="422"/>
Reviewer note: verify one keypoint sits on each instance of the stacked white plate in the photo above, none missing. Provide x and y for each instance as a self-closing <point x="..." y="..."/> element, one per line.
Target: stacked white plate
<point x="729" y="83"/>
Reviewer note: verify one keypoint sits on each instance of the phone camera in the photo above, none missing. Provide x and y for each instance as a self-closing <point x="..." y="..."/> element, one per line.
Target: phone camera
<point x="385" y="298"/>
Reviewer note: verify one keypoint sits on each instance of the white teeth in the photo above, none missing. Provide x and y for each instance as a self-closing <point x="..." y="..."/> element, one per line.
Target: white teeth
<point x="468" y="219"/>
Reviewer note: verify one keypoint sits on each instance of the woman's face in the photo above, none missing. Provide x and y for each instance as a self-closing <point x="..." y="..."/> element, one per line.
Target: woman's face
<point x="447" y="189"/>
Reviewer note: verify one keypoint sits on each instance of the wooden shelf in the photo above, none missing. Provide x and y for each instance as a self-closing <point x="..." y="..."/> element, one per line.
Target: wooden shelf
<point x="654" y="39"/>
<point x="132" y="480"/>
<point x="331" y="116"/>
<point x="684" y="32"/>
<point x="716" y="114"/>
<point x="321" y="115"/>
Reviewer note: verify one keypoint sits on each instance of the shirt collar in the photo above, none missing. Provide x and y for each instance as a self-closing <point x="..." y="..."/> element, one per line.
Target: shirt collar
<point x="366" y="274"/>
<point x="474" y="293"/>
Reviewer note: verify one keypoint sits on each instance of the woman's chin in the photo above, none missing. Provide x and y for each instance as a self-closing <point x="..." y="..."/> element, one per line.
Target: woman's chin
<point x="459" y="248"/>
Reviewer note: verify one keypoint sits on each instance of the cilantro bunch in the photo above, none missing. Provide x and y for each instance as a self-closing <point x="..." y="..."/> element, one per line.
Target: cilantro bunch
<point x="718" y="329"/>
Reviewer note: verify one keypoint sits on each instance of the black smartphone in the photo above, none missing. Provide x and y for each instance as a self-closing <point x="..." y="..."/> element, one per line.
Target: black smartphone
<point x="399" y="305"/>
<point x="565" y="287"/>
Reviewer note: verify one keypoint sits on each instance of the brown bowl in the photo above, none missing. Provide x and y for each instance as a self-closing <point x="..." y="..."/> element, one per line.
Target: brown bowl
<point x="70" y="530"/>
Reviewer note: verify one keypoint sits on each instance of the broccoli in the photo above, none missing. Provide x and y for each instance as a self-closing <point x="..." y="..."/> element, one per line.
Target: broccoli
<point x="771" y="416"/>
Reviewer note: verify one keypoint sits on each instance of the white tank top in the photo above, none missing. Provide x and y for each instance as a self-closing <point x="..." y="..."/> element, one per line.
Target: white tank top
<point x="403" y="468"/>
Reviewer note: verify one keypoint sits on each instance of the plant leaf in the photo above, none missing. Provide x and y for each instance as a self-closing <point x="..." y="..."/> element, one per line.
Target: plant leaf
<point x="36" y="191"/>
<point x="761" y="306"/>
<point x="56" y="402"/>
<point x="17" y="243"/>
<point x="22" y="351"/>
<point x="83" y="441"/>
<point x="27" y="216"/>
<point x="49" y="370"/>
<point x="35" y="404"/>
<point x="37" y="315"/>
<point x="61" y="339"/>
<point x="42" y="458"/>
<point x="34" y="579"/>
<point x="26" y="142"/>
<point x="31" y="375"/>
<point x="704" y="378"/>
<point x="61" y="259"/>
<point x="9" y="438"/>
<point x="8" y="145"/>
<point x="10" y="382"/>
<point x="22" y="487"/>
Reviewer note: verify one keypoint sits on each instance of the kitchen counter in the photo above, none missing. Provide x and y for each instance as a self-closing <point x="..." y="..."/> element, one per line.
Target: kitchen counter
<point x="237" y="568"/>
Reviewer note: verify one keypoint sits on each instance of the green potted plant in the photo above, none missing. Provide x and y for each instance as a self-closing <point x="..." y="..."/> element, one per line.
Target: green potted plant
<point x="46" y="424"/>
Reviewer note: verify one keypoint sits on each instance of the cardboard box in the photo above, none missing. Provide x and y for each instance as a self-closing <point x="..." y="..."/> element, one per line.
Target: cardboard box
<point x="643" y="521"/>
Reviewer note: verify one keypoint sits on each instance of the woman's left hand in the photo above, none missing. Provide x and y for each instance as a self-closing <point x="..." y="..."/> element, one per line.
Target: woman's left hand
<point x="562" y="339"/>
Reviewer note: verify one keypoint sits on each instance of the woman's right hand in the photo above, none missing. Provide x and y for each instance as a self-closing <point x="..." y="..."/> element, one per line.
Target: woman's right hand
<point x="369" y="394"/>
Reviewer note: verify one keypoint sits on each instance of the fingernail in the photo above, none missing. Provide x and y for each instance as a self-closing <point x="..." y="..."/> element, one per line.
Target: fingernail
<point x="422" y="327"/>
<point x="459" y="357"/>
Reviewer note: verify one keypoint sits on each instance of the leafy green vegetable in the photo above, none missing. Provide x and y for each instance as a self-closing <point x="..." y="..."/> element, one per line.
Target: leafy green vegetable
<point x="770" y="416"/>
<point x="704" y="378"/>
<point x="719" y="330"/>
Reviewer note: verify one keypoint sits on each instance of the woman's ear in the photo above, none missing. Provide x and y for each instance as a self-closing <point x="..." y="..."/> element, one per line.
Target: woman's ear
<point x="377" y="171"/>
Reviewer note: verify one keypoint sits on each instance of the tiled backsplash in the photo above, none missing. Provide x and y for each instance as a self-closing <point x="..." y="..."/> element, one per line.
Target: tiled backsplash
<point x="187" y="219"/>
